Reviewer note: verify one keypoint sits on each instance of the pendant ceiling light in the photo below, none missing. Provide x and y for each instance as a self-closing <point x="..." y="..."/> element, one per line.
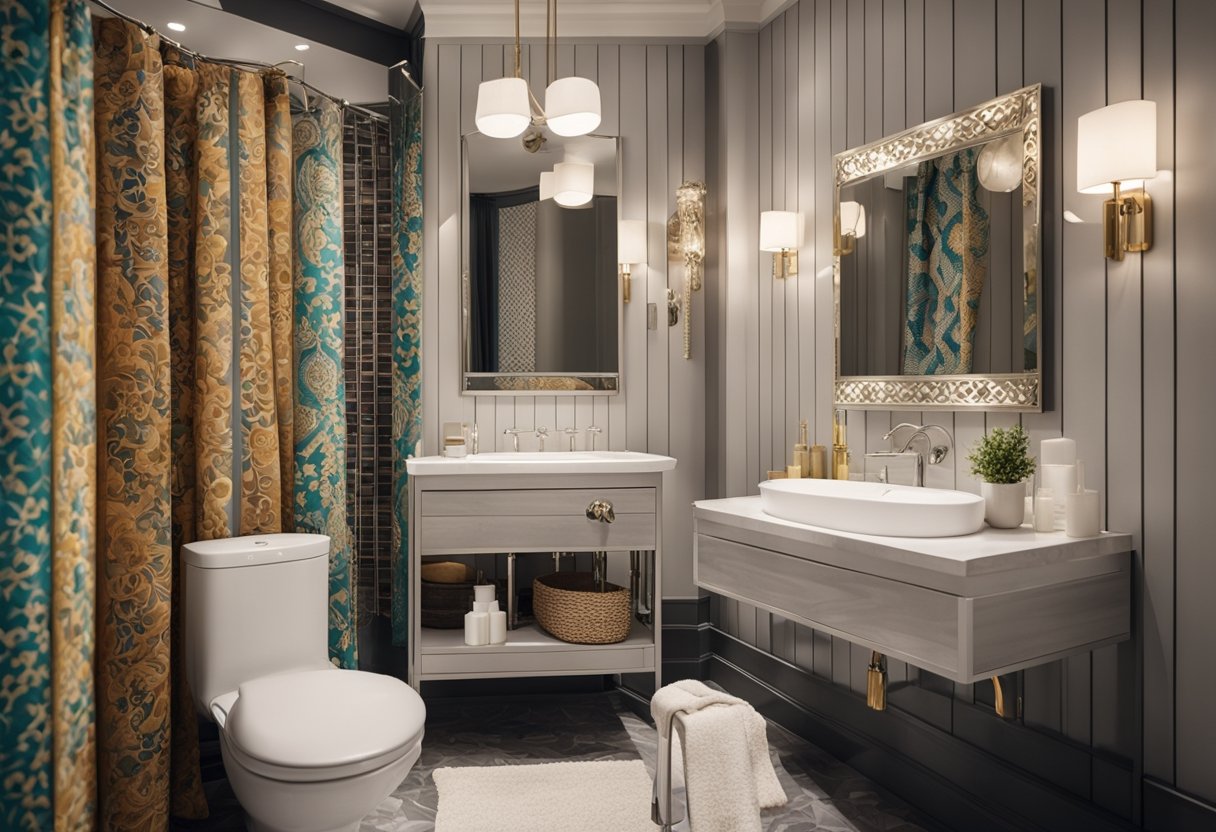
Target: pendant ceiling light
<point x="506" y="106"/>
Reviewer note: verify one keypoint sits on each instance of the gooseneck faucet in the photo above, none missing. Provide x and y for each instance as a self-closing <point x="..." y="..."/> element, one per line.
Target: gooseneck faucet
<point x="542" y="434"/>
<point x="514" y="434"/>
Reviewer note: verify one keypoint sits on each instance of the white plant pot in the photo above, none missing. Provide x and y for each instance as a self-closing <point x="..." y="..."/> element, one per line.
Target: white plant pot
<point x="1004" y="504"/>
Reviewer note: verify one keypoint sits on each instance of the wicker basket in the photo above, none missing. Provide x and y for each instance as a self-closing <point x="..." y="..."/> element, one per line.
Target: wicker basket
<point x="569" y="606"/>
<point x="444" y="605"/>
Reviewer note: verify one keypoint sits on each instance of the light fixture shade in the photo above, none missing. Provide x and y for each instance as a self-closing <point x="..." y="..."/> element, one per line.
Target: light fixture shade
<point x="572" y="106"/>
<point x="574" y="183"/>
<point x="1116" y="144"/>
<point x="547" y="184"/>
<point x="779" y="230"/>
<point x="852" y="219"/>
<point x="999" y="165"/>
<point x="631" y="242"/>
<point x="503" y="111"/>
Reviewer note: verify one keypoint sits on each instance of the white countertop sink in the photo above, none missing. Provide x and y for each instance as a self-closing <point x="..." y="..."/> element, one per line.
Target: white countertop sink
<point x="874" y="508"/>
<point x="553" y="462"/>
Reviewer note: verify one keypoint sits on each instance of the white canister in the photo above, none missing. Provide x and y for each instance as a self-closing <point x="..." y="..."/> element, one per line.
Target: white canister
<point x="476" y="629"/>
<point x="498" y="627"/>
<point x="1004" y="504"/>
<point x="484" y="593"/>
<point x="1083" y="511"/>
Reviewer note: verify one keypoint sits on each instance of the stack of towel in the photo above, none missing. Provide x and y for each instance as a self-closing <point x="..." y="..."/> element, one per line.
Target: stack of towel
<point x="728" y="775"/>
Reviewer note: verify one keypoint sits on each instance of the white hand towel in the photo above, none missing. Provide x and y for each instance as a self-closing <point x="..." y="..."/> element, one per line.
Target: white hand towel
<point x="728" y="774"/>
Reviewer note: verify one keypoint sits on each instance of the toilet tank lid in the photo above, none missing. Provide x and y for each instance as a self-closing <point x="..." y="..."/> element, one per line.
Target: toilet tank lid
<point x="254" y="550"/>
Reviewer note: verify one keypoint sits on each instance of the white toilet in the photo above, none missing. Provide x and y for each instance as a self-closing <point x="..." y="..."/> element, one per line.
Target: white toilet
<point x="307" y="747"/>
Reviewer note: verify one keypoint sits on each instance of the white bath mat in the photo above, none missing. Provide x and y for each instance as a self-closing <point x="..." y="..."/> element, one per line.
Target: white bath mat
<point x="595" y="796"/>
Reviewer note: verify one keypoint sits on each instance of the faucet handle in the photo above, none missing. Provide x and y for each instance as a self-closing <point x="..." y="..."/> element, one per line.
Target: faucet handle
<point x="571" y="434"/>
<point x="542" y="434"/>
<point x="594" y="433"/>
<point x="514" y="434"/>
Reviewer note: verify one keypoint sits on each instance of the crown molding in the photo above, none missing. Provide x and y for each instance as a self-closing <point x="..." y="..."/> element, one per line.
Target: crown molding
<point x="664" y="20"/>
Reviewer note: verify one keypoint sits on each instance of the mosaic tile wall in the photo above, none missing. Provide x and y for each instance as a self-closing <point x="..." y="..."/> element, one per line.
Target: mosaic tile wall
<point x="368" y="214"/>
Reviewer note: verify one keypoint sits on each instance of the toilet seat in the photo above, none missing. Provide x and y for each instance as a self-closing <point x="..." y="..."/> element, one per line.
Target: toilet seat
<point x="324" y="724"/>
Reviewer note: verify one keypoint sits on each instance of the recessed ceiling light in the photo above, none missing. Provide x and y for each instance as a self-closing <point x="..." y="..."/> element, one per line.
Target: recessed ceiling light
<point x="301" y="47"/>
<point x="177" y="27"/>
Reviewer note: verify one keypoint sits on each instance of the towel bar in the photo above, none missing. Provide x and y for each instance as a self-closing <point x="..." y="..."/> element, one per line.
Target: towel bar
<point x="661" y="812"/>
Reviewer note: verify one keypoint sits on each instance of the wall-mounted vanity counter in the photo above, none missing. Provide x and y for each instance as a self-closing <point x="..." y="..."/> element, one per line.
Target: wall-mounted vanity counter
<point x="537" y="503"/>
<point x="966" y="608"/>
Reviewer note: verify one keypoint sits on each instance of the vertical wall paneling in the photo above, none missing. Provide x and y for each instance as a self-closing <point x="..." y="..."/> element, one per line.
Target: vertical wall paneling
<point x="1127" y="378"/>
<point x="1158" y="407"/>
<point x="657" y="105"/>
<point x="1195" y="339"/>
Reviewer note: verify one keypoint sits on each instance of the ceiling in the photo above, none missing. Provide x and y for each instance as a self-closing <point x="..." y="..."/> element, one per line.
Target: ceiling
<point x="395" y="13"/>
<point x="217" y="33"/>
<point x="660" y="19"/>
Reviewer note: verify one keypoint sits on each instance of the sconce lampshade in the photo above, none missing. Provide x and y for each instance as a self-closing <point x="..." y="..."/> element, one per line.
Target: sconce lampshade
<point x="503" y="111"/>
<point x="779" y="230"/>
<point x="547" y="185"/>
<point x="574" y="183"/>
<point x="852" y="219"/>
<point x="631" y="242"/>
<point x="572" y="106"/>
<point x="1116" y="144"/>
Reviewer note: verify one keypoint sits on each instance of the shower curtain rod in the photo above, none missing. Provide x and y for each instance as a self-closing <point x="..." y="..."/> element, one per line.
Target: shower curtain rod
<point x="240" y="62"/>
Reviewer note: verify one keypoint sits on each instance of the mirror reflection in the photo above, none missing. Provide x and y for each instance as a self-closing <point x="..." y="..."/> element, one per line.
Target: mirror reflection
<point x="934" y="276"/>
<point x="541" y="271"/>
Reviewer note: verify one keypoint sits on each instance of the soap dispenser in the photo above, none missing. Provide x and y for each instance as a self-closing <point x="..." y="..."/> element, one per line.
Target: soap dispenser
<point x="840" y="446"/>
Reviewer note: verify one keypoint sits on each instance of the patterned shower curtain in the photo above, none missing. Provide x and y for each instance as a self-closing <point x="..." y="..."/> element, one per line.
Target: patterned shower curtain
<point x="947" y="265"/>
<point x="407" y="337"/>
<point x="320" y="415"/>
<point x="48" y="429"/>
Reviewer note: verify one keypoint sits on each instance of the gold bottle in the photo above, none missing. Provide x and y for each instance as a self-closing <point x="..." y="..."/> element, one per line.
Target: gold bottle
<point x="840" y="446"/>
<point x="802" y="451"/>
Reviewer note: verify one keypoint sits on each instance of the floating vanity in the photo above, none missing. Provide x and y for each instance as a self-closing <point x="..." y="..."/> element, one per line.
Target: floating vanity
<point x="519" y="503"/>
<point x="967" y="607"/>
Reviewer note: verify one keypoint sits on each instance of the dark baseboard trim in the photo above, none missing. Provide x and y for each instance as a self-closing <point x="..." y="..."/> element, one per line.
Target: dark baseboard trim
<point x="1168" y="810"/>
<point x="953" y="781"/>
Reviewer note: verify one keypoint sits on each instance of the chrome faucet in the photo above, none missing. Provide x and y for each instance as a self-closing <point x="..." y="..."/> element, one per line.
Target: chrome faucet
<point x="542" y="434"/>
<point x="593" y="433"/>
<point x="935" y="454"/>
<point x="473" y="443"/>
<point x="514" y="434"/>
<point x="572" y="435"/>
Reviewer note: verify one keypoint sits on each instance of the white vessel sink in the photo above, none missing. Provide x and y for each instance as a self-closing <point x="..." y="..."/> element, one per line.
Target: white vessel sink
<point x="873" y="507"/>
<point x="552" y="462"/>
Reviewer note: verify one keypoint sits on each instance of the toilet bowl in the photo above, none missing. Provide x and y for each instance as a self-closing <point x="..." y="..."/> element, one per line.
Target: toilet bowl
<point x="307" y="747"/>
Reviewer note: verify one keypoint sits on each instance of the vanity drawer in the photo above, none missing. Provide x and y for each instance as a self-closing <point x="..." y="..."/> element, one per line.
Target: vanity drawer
<point x="542" y="519"/>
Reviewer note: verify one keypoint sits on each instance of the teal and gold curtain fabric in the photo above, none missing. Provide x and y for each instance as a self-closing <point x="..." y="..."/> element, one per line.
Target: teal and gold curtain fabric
<point x="48" y="423"/>
<point x="407" y="336"/>
<point x="320" y="416"/>
<point x="947" y="265"/>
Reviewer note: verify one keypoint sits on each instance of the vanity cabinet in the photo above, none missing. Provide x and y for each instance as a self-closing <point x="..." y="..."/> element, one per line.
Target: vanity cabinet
<point x="967" y="608"/>
<point x="480" y="509"/>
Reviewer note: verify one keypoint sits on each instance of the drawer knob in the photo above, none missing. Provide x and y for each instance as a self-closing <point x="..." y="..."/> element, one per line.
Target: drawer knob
<point x="600" y="510"/>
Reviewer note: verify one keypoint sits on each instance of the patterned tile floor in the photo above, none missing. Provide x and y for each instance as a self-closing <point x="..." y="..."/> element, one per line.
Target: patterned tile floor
<point x="824" y="794"/>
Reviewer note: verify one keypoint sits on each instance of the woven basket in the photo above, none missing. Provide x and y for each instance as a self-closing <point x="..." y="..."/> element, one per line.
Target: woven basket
<point x="444" y="605"/>
<point x="569" y="606"/>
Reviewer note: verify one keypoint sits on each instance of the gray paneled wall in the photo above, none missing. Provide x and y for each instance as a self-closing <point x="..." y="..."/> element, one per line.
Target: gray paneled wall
<point x="1131" y="344"/>
<point x="654" y="98"/>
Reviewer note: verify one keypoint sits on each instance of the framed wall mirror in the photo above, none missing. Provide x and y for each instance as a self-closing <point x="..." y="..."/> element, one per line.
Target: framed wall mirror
<point x="541" y="309"/>
<point x="937" y="264"/>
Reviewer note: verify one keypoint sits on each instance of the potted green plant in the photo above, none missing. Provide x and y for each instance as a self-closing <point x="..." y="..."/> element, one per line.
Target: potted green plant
<point x="1002" y="461"/>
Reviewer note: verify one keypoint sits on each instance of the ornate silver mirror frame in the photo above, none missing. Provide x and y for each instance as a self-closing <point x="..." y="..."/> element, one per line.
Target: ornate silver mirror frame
<point x="1017" y="112"/>
<point x="535" y="383"/>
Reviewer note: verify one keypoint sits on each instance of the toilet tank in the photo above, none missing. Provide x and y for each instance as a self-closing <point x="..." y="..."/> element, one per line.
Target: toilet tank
<point x="253" y="606"/>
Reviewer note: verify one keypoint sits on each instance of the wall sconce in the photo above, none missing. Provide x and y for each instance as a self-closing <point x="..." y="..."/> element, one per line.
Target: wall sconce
<point x="686" y="228"/>
<point x="779" y="233"/>
<point x="850" y="227"/>
<point x="630" y="251"/>
<point x="1115" y="145"/>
